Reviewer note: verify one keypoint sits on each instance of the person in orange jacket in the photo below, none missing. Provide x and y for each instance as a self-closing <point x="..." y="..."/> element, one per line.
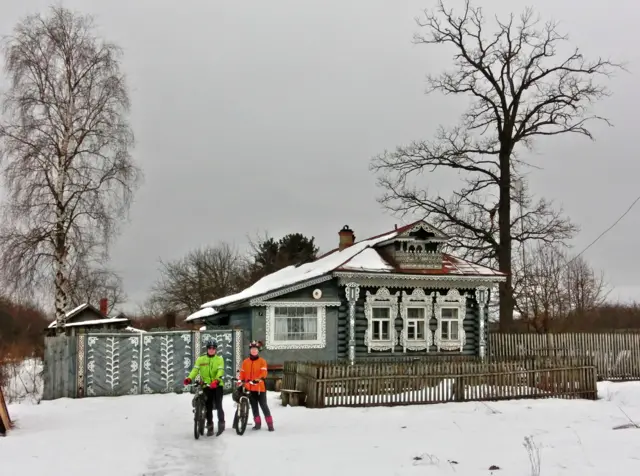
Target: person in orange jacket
<point x="253" y="374"/>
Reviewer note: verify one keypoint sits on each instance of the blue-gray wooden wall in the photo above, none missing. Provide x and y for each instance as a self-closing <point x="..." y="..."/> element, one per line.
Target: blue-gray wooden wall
<point x="471" y="326"/>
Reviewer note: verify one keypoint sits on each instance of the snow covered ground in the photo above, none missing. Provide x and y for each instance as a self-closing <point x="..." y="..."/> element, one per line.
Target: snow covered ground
<point x="152" y="435"/>
<point x="24" y="381"/>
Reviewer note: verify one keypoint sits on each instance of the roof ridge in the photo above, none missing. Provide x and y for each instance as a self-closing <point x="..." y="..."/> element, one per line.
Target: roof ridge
<point x="380" y="235"/>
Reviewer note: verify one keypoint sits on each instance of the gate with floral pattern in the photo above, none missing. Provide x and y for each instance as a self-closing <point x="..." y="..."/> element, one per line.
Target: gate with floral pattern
<point x="111" y="364"/>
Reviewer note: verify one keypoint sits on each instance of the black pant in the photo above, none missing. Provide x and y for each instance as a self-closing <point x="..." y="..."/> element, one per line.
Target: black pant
<point x="214" y="397"/>
<point x="259" y="398"/>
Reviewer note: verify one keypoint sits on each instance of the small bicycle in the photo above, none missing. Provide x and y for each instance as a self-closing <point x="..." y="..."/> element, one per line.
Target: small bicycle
<point x="199" y="410"/>
<point x="241" y="417"/>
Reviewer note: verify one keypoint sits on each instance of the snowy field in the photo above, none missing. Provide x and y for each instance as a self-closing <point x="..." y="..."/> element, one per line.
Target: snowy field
<point x="152" y="435"/>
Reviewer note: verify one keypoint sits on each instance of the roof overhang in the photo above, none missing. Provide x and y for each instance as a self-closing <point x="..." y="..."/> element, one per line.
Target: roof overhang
<point x="417" y="280"/>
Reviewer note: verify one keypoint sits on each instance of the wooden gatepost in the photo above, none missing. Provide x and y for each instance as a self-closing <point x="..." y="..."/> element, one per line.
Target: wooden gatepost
<point x="5" y="421"/>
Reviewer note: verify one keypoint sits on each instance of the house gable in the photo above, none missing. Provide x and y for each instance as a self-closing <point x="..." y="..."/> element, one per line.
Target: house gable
<point x="417" y="247"/>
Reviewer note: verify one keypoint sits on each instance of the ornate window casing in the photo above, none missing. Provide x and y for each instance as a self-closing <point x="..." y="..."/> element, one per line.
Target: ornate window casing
<point x="381" y="310"/>
<point x="450" y="310"/>
<point x="416" y="310"/>
<point x="296" y="325"/>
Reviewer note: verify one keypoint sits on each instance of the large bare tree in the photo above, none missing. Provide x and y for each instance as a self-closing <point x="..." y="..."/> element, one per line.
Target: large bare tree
<point x="200" y="276"/>
<point x="66" y="143"/>
<point x="521" y="88"/>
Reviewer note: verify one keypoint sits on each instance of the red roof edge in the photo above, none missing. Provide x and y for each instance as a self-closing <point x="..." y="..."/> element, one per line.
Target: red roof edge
<point x="401" y="229"/>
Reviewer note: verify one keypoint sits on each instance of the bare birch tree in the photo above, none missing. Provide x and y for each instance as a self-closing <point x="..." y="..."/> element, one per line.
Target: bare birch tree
<point x="521" y="88"/>
<point x="66" y="143"/>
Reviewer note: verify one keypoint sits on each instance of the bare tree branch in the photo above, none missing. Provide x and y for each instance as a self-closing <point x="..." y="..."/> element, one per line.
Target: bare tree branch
<point x="202" y="275"/>
<point x="66" y="147"/>
<point x="521" y="87"/>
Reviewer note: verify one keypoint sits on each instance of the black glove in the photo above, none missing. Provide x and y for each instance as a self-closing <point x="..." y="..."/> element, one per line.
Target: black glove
<point x="255" y="382"/>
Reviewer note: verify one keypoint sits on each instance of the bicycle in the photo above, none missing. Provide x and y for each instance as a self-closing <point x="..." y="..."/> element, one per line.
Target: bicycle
<point x="241" y="416"/>
<point x="199" y="410"/>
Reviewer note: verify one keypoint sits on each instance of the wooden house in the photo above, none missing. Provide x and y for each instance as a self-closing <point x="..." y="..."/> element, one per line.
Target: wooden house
<point x="86" y="318"/>
<point x="397" y="294"/>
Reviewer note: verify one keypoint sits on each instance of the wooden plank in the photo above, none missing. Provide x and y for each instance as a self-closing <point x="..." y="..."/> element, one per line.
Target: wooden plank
<point x="5" y="420"/>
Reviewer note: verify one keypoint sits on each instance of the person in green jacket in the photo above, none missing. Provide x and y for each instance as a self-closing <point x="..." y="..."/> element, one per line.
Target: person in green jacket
<point x="210" y="366"/>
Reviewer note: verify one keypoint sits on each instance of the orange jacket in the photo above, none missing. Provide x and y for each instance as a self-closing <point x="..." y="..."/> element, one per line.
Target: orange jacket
<point x="254" y="370"/>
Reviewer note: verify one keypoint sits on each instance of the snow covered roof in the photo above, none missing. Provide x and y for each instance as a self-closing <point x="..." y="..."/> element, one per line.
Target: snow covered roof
<point x="362" y="256"/>
<point x="94" y="322"/>
<point x="77" y="310"/>
<point x="202" y="313"/>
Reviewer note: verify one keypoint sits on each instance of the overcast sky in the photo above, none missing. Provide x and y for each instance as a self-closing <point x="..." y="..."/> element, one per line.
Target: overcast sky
<point x="263" y="115"/>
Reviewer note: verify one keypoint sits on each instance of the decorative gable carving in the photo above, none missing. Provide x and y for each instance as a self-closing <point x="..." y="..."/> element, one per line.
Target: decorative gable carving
<point x="420" y="247"/>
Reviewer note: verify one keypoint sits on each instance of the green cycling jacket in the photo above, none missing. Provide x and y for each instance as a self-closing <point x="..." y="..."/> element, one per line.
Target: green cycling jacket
<point x="209" y="368"/>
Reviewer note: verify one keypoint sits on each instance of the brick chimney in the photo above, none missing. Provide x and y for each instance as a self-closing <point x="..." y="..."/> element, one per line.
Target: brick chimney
<point x="347" y="237"/>
<point x="104" y="307"/>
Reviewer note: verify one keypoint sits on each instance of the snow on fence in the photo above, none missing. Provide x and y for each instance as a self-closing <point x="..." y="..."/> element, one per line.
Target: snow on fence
<point x="122" y="363"/>
<point x="387" y="383"/>
<point x="616" y="355"/>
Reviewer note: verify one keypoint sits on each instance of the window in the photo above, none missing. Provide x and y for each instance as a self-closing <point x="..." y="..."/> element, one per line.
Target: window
<point x="450" y="313"/>
<point x="416" y="310"/>
<point x="415" y="323"/>
<point x="381" y="310"/>
<point x="294" y="326"/>
<point x="381" y="324"/>
<point x="449" y="318"/>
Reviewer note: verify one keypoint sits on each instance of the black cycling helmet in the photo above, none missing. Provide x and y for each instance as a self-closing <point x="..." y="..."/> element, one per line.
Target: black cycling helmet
<point x="211" y="344"/>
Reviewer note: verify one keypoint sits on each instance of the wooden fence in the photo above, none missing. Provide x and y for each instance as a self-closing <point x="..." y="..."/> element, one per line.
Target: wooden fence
<point x="615" y="355"/>
<point x="367" y="384"/>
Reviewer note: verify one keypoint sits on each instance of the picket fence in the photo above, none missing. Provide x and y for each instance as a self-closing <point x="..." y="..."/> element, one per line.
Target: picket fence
<point x="119" y="363"/>
<point x="366" y="384"/>
<point x="616" y="355"/>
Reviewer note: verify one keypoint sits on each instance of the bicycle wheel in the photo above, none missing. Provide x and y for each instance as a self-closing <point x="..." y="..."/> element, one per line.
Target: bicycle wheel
<point x="243" y="416"/>
<point x="203" y="416"/>
<point x="196" y="419"/>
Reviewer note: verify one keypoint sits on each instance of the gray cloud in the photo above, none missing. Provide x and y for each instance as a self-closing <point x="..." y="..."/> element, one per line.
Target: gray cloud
<point x="263" y="116"/>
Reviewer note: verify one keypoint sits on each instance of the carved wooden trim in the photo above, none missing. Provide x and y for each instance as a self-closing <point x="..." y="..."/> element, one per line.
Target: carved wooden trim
<point x="418" y="298"/>
<point x="319" y="343"/>
<point x="453" y="299"/>
<point x="382" y="298"/>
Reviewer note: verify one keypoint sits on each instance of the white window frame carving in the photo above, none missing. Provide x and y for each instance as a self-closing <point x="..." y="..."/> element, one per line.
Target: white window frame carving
<point x="382" y="298"/>
<point x="452" y="300"/>
<point x="270" y="328"/>
<point x="417" y="299"/>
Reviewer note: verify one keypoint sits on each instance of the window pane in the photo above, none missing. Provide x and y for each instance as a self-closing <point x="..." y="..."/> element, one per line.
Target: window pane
<point x="295" y="323"/>
<point x="381" y="312"/>
<point x="445" y="329"/>
<point x="454" y="330"/>
<point x="420" y="330"/>
<point x="449" y="313"/>
<point x="415" y="313"/>
<point x="411" y="330"/>
<point x="385" y="330"/>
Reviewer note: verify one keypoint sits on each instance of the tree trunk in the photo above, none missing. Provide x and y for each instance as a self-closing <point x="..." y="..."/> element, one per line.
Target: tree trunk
<point x="60" y="284"/>
<point x="505" y="288"/>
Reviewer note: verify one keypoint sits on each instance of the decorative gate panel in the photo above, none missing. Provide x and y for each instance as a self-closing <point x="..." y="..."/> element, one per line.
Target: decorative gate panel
<point x="112" y="365"/>
<point x="226" y="349"/>
<point x="153" y="362"/>
<point x="166" y="360"/>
